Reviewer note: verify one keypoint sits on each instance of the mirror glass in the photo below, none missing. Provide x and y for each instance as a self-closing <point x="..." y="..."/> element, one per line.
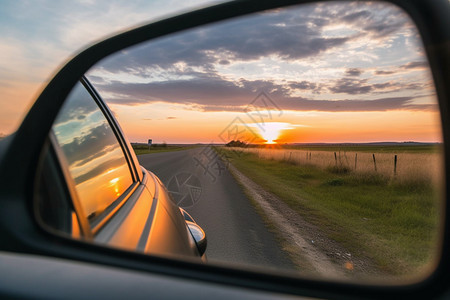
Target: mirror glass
<point x="305" y="139"/>
<point x="94" y="157"/>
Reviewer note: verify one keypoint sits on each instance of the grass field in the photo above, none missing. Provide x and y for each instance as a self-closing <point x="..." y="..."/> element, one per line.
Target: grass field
<point x="398" y="148"/>
<point x="391" y="219"/>
<point x="144" y="149"/>
<point x="404" y="165"/>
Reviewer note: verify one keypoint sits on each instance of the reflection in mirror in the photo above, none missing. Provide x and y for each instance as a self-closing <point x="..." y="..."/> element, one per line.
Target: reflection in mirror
<point x="305" y="139"/>
<point x="94" y="157"/>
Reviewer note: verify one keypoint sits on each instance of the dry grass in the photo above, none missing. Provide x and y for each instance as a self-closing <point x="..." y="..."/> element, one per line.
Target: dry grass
<point x="412" y="168"/>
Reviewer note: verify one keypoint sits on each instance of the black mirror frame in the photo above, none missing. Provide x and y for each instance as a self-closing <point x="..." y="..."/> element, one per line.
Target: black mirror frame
<point x="17" y="171"/>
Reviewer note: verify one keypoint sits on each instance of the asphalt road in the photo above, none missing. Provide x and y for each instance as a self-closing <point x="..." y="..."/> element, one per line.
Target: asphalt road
<point x="202" y="185"/>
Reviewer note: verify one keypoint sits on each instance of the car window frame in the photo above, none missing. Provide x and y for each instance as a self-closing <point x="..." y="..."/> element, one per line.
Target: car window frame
<point x="90" y="229"/>
<point x="129" y="154"/>
<point x="54" y="159"/>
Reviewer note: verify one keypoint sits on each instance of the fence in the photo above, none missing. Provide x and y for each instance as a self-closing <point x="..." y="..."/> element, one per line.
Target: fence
<point x="411" y="167"/>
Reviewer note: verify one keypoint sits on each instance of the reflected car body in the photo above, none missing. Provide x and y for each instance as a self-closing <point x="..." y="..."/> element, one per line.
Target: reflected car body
<point x="102" y="193"/>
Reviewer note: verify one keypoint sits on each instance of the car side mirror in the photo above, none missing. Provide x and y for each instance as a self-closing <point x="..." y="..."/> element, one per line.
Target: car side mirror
<point x="221" y="61"/>
<point x="199" y="236"/>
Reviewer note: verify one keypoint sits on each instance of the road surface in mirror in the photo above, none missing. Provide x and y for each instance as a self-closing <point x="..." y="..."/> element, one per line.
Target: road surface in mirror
<point x="235" y="232"/>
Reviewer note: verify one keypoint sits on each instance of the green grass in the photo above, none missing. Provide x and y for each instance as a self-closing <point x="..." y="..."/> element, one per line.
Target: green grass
<point x="144" y="149"/>
<point x="392" y="224"/>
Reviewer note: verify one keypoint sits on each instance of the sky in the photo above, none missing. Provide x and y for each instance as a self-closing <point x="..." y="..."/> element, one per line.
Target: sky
<point x="315" y="73"/>
<point x="327" y="72"/>
<point x="38" y="37"/>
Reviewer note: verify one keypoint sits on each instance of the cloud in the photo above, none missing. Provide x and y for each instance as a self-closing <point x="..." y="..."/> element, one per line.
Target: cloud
<point x="377" y="19"/>
<point x="223" y="95"/>
<point x="381" y="72"/>
<point x="303" y="85"/>
<point x="85" y="147"/>
<point x="171" y="118"/>
<point x="384" y="29"/>
<point x="353" y="17"/>
<point x="201" y="69"/>
<point x="313" y="87"/>
<point x="351" y="86"/>
<point x="415" y="65"/>
<point x="353" y="72"/>
<point x="287" y="35"/>
<point x="411" y="66"/>
<point x="100" y="169"/>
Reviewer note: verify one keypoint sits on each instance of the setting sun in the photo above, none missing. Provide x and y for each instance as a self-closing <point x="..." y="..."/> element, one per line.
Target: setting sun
<point x="271" y="131"/>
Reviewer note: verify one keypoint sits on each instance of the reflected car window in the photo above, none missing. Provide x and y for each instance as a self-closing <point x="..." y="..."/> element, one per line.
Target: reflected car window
<point x="94" y="156"/>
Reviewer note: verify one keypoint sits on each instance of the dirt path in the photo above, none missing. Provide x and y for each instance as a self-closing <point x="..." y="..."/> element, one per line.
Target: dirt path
<point x="309" y="248"/>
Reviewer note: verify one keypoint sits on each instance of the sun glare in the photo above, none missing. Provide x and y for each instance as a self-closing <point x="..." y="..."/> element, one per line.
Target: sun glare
<point x="271" y="131"/>
<point x="271" y="134"/>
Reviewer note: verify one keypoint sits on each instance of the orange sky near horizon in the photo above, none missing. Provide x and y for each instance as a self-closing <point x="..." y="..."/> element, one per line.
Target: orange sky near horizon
<point x="176" y="124"/>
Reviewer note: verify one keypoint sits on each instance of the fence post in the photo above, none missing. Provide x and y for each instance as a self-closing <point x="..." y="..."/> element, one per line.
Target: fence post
<point x="395" y="164"/>
<point x="290" y="154"/>
<point x="309" y="156"/>
<point x="356" y="159"/>
<point x="335" y="158"/>
<point x="374" y="162"/>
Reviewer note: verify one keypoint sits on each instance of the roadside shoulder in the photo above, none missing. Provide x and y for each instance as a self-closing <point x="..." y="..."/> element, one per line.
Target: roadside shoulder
<point x="308" y="247"/>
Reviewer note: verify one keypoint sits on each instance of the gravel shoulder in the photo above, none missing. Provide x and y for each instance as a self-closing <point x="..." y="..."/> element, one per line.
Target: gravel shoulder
<point x="309" y="248"/>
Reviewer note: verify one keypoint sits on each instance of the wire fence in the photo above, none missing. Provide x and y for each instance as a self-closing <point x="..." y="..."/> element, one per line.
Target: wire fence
<point x="403" y="167"/>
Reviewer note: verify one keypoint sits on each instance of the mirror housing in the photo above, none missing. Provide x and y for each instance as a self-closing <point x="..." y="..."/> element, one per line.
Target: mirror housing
<point x="199" y="236"/>
<point x="197" y="232"/>
<point x="16" y="185"/>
